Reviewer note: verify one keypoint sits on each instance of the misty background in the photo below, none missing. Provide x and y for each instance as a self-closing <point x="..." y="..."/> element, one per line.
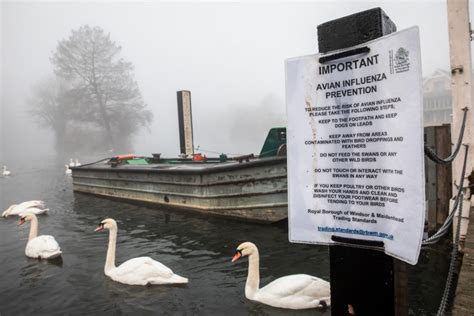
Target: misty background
<point x="229" y="55"/>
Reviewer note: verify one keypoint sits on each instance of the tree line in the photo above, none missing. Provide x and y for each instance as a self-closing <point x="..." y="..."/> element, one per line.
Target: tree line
<point x="92" y="103"/>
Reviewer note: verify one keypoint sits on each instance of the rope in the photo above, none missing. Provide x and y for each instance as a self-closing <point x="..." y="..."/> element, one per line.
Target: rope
<point x="454" y="253"/>
<point x="35" y="170"/>
<point x="432" y="155"/>
<point x="445" y="227"/>
<point x="92" y="163"/>
<point x="198" y="148"/>
<point x="447" y="223"/>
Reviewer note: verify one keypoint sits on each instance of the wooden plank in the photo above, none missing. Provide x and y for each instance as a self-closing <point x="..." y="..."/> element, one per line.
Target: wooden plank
<point x="461" y="87"/>
<point x="185" y="122"/>
<point x="430" y="183"/>
<point x="401" y="284"/>
<point x="464" y="304"/>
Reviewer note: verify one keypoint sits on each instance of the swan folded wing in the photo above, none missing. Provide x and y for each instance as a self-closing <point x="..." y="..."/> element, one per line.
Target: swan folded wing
<point x="33" y="203"/>
<point x="295" y="291"/>
<point x="17" y="209"/>
<point x="43" y="247"/>
<point x="33" y="210"/>
<point x="141" y="271"/>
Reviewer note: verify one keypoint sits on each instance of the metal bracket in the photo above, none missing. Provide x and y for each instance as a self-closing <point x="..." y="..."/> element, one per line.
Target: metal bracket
<point x="347" y="53"/>
<point x="470" y="32"/>
<point x="457" y="69"/>
<point x="359" y="243"/>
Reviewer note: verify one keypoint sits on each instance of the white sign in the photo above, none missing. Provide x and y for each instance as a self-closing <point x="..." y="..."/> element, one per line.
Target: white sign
<point x="355" y="146"/>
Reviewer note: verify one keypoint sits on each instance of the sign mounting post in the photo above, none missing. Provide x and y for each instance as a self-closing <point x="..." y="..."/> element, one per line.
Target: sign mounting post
<point x="355" y="159"/>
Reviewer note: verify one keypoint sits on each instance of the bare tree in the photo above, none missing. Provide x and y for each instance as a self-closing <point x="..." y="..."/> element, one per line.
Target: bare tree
<point x="103" y="83"/>
<point x="48" y="104"/>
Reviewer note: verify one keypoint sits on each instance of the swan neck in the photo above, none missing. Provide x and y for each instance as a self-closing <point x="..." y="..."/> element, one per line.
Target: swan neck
<point x="253" y="277"/>
<point x="110" y="261"/>
<point x="33" y="228"/>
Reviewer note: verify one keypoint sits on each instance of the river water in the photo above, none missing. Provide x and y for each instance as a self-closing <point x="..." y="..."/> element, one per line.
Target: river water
<point x="194" y="246"/>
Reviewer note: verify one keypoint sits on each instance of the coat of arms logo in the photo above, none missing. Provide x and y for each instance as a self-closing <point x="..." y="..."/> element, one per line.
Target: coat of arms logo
<point x="401" y="56"/>
<point x="401" y="60"/>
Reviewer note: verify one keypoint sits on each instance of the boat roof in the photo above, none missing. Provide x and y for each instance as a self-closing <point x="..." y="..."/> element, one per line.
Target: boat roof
<point x="171" y="165"/>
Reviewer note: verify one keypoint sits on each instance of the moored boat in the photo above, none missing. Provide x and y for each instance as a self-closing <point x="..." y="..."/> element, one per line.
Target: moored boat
<point x="252" y="188"/>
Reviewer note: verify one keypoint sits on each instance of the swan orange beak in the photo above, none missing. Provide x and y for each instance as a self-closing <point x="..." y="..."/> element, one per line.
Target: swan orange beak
<point x="237" y="256"/>
<point x="98" y="229"/>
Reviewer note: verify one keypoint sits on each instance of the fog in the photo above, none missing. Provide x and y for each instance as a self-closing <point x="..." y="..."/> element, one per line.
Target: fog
<point x="229" y="55"/>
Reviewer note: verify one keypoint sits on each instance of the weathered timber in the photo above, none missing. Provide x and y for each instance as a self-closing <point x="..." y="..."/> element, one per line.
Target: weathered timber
<point x="463" y="300"/>
<point x="438" y="177"/>
<point x="185" y="123"/>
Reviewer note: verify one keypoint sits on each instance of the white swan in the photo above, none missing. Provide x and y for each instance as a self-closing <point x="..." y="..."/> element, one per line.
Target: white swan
<point x="77" y="163"/>
<point x="71" y="163"/>
<point x="296" y="291"/>
<point x="68" y="171"/>
<point x="41" y="247"/>
<point x="137" y="271"/>
<point x="36" y="207"/>
<point x="5" y="172"/>
<point x="32" y="210"/>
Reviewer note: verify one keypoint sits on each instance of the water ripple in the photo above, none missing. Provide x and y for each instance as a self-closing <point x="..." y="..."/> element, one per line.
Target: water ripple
<point x="194" y="246"/>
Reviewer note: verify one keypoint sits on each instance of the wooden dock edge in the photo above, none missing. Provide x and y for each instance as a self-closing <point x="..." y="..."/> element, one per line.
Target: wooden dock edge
<point x="464" y="298"/>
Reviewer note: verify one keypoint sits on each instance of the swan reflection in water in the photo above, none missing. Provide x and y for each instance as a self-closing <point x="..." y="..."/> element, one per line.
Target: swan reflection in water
<point x="36" y="270"/>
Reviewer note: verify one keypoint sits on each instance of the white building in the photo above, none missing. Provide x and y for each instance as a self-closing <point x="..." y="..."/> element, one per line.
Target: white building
<point x="437" y="107"/>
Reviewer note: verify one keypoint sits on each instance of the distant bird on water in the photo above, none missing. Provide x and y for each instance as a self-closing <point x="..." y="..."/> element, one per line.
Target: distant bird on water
<point x="36" y="207"/>
<point x="5" y="172"/>
<point x="77" y="163"/>
<point x="68" y="171"/>
<point x="71" y="163"/>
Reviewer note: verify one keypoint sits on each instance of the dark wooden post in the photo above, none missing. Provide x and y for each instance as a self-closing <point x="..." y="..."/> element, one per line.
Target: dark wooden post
<point x="438" y="177"/>
<point x="361" y="278"/>
<point x="444" y="181"/>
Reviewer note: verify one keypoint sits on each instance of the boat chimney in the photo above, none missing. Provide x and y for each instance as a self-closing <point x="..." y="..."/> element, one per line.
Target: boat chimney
<point x="185" y="121"/>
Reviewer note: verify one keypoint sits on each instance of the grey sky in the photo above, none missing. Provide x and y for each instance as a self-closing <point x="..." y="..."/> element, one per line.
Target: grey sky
<point x="230" y="55"/>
